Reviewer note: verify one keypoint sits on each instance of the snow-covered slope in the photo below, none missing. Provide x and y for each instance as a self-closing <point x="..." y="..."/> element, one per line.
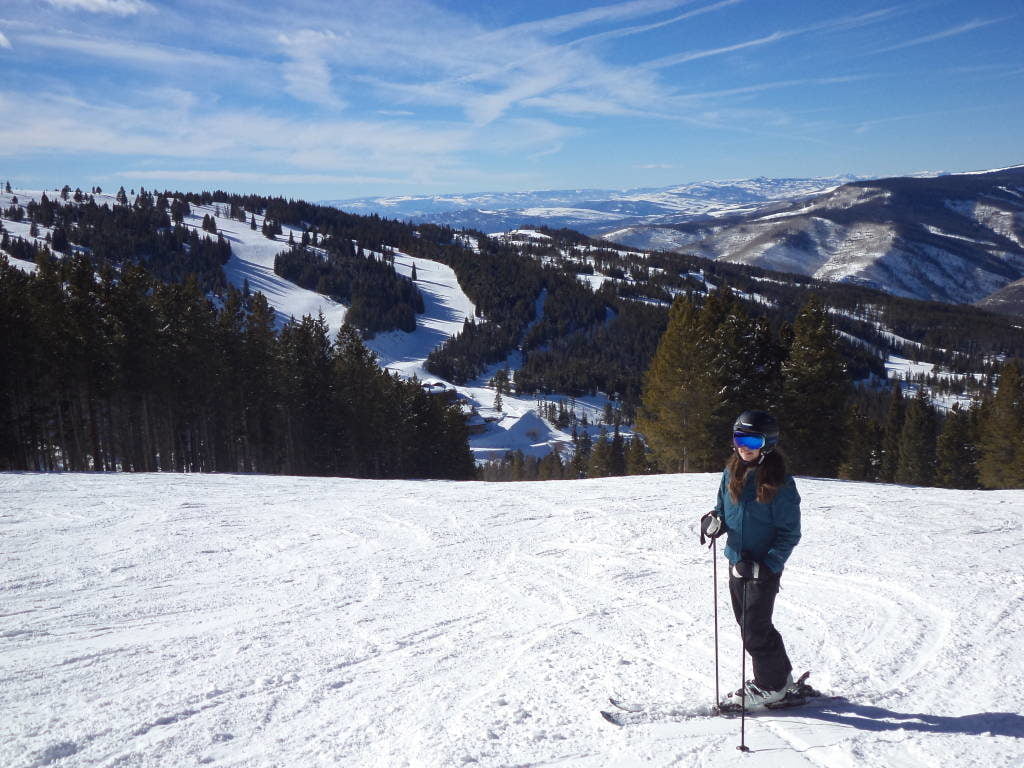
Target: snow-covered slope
<point x="951" y="238"/>
<point x="170" y="620"/>
<point x="515" y="427"/>
<point x="446" y="308"/>
<point x="591" y="211"/>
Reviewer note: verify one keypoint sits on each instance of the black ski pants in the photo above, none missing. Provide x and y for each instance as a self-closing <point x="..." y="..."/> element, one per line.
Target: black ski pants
<point x="760" y="637"/>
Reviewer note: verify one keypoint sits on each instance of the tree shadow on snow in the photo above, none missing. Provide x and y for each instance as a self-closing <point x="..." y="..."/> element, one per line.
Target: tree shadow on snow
<point x="865" y="717"/>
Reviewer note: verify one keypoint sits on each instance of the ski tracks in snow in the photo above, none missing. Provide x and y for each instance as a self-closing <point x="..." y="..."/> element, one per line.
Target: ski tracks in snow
<point x="168" y="620"/>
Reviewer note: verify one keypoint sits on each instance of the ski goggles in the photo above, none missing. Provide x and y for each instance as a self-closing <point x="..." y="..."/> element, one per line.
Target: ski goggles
<point x="750" y="442"/>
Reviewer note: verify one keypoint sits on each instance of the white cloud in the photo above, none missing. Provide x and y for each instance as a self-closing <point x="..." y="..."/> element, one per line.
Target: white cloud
<point x="682" y="58"/>
<point x="951" y="32"/>
<point x="116" y="7"/>
<point x="307" y="75"/>
<point x="570" y="21"/>
<point x="138" y="53"/>
<point x="4" y="42"/>
<point x="640" y="28"/>
<point x="417" y="150"/>
<point x="868" y="124"/>
<point x="830" y="25"/>
<point x="222" y="176"/>
<point x="842" y="79"/>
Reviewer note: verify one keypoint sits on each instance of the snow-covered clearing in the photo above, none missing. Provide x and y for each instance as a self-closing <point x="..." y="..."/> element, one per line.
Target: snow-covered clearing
<point x="252" y="261"/>
<point x="171" y="620"/>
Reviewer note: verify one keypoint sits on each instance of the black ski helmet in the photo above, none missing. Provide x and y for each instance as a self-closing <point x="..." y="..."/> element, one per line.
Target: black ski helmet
<point x="758" y="423"/>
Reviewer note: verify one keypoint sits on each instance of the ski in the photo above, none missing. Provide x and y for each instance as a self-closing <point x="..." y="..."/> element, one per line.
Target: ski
<point x="615" y="718"/>
<point x="626" y="706"/>
<point x="634" y="713"/>
<point x="797" y="696"/>
<point x="623" y="718"/>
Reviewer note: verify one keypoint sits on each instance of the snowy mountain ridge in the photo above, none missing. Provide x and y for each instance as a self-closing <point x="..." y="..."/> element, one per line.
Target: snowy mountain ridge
<point x="591" y="210"/>
<point x="953" y="238"/>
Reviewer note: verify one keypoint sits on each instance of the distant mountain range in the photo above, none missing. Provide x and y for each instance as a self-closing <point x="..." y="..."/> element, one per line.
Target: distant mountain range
<point x="955" y="238"/>
<point x="592" y="211"/>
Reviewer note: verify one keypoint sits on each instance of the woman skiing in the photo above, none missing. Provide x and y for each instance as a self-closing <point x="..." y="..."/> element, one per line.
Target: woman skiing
<point x="759" y="508"/>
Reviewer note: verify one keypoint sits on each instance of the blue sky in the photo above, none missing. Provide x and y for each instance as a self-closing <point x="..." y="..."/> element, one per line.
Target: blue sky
<point x="316" y="100"/>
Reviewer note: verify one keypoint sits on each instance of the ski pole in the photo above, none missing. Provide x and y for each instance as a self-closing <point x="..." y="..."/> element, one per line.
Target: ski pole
<point x="743" y="672"/>
<point x="714" y="570"/>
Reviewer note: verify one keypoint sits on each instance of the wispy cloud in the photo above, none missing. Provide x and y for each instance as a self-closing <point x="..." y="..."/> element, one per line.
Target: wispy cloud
<point x="226" y="176"/>
<point x="798" y="83"/>
<point x="426" y="89"/>
<point x="682" y="58"/>
<point x="307" y="75"/>
<point x="869" y="124"/>
<point x="116" y="7"/>
<point x="147" y="54"/>
<point x="641" y="28"/>
<point x="419" y="150"/>
<point x="830" y="25"/>
<point x="951" y="32"/>
<point x="568" y="22"/>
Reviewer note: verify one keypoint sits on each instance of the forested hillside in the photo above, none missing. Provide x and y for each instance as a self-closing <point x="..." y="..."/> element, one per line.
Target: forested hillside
<point x="956" y="238"/>
<point x="559" y="314"/>
<point x="119" y="371"/>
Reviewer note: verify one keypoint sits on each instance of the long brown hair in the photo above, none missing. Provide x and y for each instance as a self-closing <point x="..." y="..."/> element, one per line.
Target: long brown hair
<point x="771" y="473"/>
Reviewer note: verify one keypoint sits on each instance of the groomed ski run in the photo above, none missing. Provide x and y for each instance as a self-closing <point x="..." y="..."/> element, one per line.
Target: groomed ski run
<point x="171" y="620"/>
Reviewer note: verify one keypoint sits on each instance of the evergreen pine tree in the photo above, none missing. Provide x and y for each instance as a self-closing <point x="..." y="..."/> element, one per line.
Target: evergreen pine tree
<point x="891" y="432"/>
<point x="955" y="453"/>
<point x="60" y="240"/>
<point x="678" y="397"/>
<point x="1001" y="448"/>
<point x="815" y="388"/>
<point x="636" y="457"/>
<point x="581" y="455"/>
<point x="917" y="442"/>
<point x="600" y="464"/>
<point x="862" y="446"/>
<point x="617" y="455"/>
<point x="550" y="467"/>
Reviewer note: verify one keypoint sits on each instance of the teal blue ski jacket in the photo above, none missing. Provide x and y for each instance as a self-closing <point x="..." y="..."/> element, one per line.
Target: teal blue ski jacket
<point x="766" y="532"/>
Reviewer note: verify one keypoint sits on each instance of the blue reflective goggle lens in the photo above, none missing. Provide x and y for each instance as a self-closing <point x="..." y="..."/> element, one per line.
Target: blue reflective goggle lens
<point x="750" y="442"/>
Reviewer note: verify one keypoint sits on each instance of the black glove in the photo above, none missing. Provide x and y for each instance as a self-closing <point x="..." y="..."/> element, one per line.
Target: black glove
<point x="711" y="527"/>
<point x="750" y="569"/>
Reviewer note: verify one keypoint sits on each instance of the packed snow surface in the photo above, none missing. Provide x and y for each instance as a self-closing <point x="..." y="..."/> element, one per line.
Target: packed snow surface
<point x="174" y="620"/>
